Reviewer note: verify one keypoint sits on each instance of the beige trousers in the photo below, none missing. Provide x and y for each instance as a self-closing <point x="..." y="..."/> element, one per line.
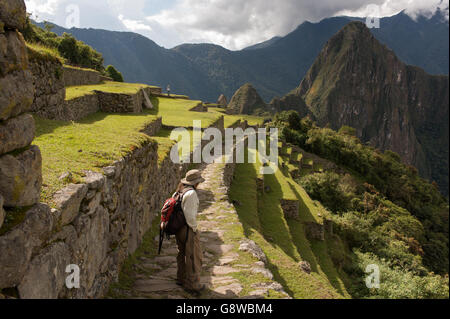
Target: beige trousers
<point x="189" y="258"/>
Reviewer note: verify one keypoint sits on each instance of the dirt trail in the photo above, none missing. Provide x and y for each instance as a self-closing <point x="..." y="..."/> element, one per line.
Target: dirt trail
<point x="233" y="266"/>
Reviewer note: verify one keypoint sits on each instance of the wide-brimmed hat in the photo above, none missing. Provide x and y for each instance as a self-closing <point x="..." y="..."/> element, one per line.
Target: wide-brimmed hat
<point x="193" y="177"/>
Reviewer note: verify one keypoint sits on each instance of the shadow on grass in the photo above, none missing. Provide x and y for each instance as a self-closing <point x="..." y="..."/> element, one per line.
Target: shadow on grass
<point x="319" y="250"/>
<point x="44" y="126"/>
<point x="243" y="192"/>
<point x="271" y="217"/>
<point x="155" y="102"/>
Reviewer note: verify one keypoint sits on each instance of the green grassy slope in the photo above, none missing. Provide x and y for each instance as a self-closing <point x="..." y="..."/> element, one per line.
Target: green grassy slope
<point x="282" y="240"/>
<point x="79" y="146"/>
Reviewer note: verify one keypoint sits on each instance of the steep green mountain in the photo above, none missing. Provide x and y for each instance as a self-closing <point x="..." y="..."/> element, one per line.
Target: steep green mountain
<point x="246" y="101"/>
<point x="359" y="82"/>
<point x="274" y="67"/>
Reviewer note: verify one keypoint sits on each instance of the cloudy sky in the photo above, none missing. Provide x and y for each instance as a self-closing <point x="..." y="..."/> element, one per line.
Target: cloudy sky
<point x="233" y="24"/>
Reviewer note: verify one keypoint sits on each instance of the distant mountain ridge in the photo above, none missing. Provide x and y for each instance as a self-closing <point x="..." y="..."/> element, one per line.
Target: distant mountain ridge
<point x="264" y="44"/>
<point x="274" y="67"/>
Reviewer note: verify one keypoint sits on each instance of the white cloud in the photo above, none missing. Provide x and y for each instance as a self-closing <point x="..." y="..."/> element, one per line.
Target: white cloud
<point x="134" y="25"/>
<point x="236" y="24"/>
<point x="233" y="24"/>
<point x="47" y="7"/>
<point x="413" y="8"/>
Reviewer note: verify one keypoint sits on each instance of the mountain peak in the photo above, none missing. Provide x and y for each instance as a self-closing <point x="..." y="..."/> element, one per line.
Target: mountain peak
<point x="359" y="82"/>
<point x="246" y="100"/>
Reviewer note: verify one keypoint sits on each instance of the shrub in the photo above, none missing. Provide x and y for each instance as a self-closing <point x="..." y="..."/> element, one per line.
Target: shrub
<point x="347" y="130"/>
<point x="73" y="51"/>
<point x="396" y="283"/>
<point x="113" y="73"/>
<point x="328" y="189"/>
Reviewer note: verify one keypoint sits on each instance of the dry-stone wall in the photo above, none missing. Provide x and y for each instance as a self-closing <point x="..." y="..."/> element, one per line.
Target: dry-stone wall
<point x="76" y="77"/>
<point x="50" y="92"/>
<point x="314" y="231"/>
<point x="80" y="107"/>
<point x="20" y="163"/>
<point x="120" y="103"/>
<point x="95" y="226"/>
<point x="290" y="208"/>
<point x="153" y="128"/>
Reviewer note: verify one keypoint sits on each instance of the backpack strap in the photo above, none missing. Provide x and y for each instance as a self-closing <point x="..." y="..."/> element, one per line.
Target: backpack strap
<point x="181" y="194"/>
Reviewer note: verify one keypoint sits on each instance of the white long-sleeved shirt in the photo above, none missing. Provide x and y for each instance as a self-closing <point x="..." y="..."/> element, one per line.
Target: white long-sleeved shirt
<point x="190" y="206"/>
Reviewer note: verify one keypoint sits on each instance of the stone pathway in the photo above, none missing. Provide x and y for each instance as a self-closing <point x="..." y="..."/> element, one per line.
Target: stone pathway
<point x="233" y="266"/>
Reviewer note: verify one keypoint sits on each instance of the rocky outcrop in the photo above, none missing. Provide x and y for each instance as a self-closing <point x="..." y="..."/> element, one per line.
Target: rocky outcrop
<point x="246" y="100"/>
<point x="200" y="107"/>
<point x="13" y="14"/>
<point x="305" y="266"/>
<point x="288" y="103"/>
<point x="357" y="81"/>
<point x="251" y="247"/>
<point x="76" y="76"/>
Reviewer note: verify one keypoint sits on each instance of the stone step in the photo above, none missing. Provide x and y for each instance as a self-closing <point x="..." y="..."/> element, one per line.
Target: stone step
<point x="155" y="285"/>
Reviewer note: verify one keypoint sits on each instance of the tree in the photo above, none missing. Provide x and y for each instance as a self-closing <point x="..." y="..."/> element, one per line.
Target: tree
<point x="68" y="48"/>
<point x="114" y="74"/>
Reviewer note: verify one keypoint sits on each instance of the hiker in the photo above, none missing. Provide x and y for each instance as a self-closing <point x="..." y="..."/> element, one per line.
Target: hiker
<point x="189" y="257"/>
<point x="168" y="90"/>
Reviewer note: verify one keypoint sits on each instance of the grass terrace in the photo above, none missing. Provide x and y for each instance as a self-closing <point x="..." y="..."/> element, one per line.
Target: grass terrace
<point x="175" y="112"/>
<point x="73" y="92"/>
<point x="90" y="144"/>
<point x="232" y="119"/>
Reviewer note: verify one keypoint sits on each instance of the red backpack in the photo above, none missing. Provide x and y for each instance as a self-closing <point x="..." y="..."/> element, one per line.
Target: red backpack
<point x="172" y="216"/>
